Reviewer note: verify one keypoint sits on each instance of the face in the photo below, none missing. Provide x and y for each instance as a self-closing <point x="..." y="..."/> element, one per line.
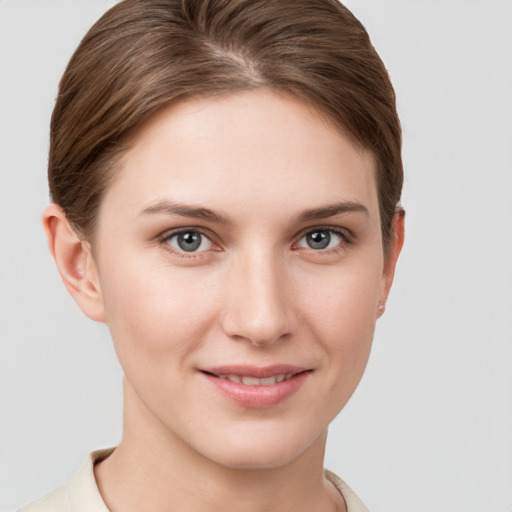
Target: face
<point x="240" y="262"/>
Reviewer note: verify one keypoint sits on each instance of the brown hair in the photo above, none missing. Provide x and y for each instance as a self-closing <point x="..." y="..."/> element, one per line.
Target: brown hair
<point x="144" y="54"/>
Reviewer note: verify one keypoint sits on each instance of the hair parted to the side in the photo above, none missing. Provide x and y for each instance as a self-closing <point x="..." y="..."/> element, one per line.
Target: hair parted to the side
<point x="143" y="55"/>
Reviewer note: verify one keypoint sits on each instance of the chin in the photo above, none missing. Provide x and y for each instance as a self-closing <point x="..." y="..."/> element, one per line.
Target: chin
<point x="260" y="450"/>
<point x="253" y="459"/>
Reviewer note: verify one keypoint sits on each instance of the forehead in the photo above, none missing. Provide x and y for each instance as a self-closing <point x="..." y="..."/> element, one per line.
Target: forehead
<point x="244" y="150"/>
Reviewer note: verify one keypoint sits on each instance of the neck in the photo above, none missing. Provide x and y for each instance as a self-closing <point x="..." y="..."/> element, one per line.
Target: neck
<point x="154" y="471"/>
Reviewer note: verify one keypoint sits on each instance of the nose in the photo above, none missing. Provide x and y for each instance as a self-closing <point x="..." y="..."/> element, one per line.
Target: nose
<point x="258" y="304"/>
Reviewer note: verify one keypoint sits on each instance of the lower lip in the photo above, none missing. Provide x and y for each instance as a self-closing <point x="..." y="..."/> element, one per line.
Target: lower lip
<point x="258" y="397"/>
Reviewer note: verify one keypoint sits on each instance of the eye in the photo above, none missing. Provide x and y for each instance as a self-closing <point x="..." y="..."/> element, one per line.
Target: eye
<point x="189" y="240"/>
<point x="321" y="239"/>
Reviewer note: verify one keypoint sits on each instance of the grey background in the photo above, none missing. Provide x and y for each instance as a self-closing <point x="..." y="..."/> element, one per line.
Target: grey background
<point x="430" y="428"/>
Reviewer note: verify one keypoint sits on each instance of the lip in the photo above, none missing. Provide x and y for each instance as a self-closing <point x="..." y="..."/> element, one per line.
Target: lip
<point x="256" y="396"/>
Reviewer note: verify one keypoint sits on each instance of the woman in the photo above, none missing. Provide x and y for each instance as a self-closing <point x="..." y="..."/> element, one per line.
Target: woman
<point x="225" y="178"/>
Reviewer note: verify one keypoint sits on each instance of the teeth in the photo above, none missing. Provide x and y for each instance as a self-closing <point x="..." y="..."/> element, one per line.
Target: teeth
<point x="254" y="381"/>
<point x="251" y="381"/>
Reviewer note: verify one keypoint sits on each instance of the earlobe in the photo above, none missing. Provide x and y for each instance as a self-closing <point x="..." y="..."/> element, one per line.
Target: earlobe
<point x="395" y="247"/>
<point x="74" y="261"/>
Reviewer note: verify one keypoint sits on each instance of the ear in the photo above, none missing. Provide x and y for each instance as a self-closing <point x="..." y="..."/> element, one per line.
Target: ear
<point x="391" y="257"/>
<point x="74" y="261"/>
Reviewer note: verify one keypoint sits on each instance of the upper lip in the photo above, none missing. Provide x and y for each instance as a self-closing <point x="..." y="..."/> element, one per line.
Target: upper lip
<point x="258" y="372"/>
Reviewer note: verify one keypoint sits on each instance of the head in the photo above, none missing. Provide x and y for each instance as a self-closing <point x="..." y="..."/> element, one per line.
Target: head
<point x="225" y="178"/>
<point x="143" y="56"/>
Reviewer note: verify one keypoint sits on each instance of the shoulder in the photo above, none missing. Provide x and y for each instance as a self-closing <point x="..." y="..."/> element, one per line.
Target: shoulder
<point x="80" y="494"/>
<point x="56" y="501"/>
<point x="353" y="503"/>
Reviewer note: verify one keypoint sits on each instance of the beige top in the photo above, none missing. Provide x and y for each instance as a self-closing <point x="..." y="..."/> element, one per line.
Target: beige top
<point x="81" y="493"/>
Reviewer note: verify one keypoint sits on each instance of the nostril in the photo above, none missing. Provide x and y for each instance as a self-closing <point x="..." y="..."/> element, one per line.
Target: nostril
<point x="258" y="307"/>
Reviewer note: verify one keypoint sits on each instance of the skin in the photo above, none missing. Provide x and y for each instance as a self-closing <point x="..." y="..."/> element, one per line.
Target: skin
<point x="254" y="293"/>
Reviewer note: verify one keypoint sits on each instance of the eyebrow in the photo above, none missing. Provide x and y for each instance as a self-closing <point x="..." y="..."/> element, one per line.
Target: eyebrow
<point x="190" y="211"/>
<point x="196" y="212"/>
<point x="332" y="210"/>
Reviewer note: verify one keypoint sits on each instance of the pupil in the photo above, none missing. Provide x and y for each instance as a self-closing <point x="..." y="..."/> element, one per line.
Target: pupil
<point x="189" y="241"/>
<point x="319" y="239"/>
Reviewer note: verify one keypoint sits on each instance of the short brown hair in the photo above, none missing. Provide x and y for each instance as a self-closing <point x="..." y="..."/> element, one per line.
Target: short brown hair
<point x="144" y="54"/>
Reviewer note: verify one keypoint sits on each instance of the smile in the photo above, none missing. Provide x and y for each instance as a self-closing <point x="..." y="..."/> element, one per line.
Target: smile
<point x="254" y="387"/>
<point x="254" y="381"/>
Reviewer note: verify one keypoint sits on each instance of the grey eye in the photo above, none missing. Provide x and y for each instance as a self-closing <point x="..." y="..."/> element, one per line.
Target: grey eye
<point x="190" y="241"/>
<point x="318" y="239"/>
<point x="321" y="239"/>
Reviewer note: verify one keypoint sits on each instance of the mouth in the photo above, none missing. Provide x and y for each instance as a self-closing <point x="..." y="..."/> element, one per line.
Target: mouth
<point x="255" y="387"/>
<point x="248" y="380"/>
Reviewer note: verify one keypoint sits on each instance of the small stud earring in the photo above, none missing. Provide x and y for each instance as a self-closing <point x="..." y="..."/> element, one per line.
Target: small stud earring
<point x="381" y="309"/>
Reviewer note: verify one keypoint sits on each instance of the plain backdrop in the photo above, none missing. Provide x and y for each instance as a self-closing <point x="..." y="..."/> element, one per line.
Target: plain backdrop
<point x="430" y="427"/>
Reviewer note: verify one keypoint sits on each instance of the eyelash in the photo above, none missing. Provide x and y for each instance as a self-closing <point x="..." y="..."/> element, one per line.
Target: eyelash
<point x="346" y="238"/>
<point x="165" y="240"/>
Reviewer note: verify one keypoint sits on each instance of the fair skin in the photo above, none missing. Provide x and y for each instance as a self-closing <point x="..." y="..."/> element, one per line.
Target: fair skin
<point x="240" y="240"/>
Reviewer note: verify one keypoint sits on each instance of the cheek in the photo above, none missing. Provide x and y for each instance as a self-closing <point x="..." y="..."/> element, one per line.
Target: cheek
<point x="342" y="313"/>
<point x="155" y="312"/>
